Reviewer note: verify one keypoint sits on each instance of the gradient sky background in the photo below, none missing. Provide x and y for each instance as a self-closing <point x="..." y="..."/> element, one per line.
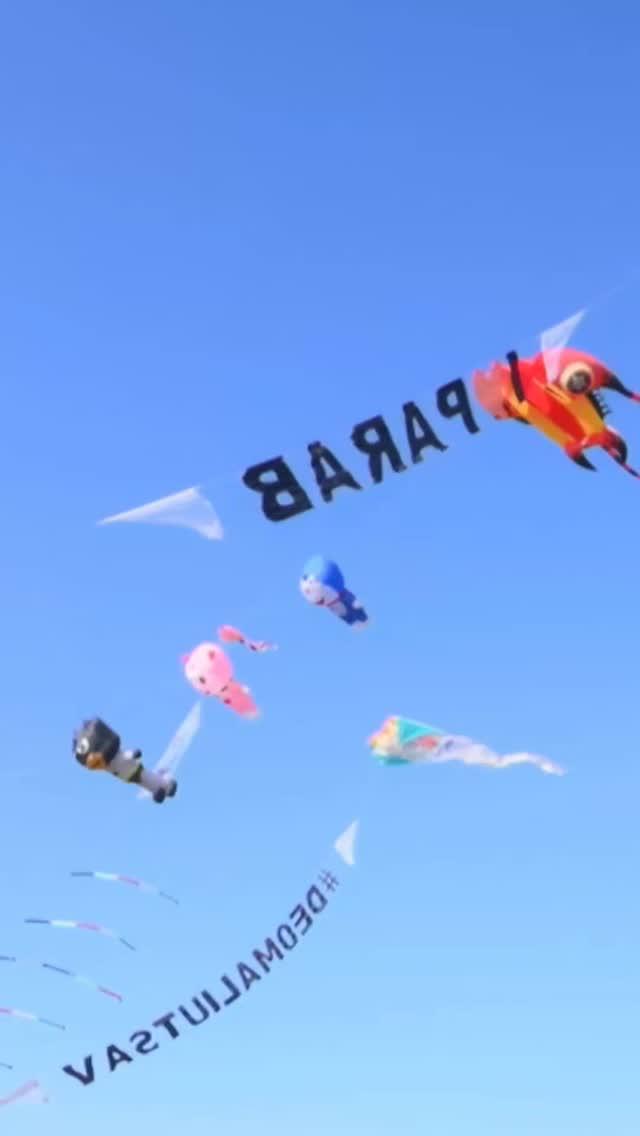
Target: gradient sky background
<point x="228" y="230"/>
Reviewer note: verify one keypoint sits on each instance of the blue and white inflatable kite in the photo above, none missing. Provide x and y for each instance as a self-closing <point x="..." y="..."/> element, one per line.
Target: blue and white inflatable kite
<point x="323" y="585"/>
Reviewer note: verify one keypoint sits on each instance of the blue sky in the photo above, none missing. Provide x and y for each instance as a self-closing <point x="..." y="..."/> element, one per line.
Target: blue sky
<point x="228" y="231"/>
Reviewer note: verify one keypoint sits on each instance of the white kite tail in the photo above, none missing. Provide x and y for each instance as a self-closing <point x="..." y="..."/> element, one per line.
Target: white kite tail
<point x="472" y="753"/>
<point x="541" y="763"/>
<point x="178" y="746"/>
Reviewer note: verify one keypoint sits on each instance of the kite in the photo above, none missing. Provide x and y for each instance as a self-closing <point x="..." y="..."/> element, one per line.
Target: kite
<point x="209" y="671"/>
<point x="190" y="509"/>
<point x="323" y="585"/>
<point x="3" y="1065"/>
<point x="400" y="741"/>
<point x="558" y="392"/>
<point x="73" y="924"/>
<point x="229" y="634"/>
<point x="68" y="974"/>
<point x="114" y="877"/>
<point x="264" y="957"/>
<point x="96" y="746"/>
<point x="345" y="845"/>
<point x="177" y="747"/>
<point x="27" y="1017"/>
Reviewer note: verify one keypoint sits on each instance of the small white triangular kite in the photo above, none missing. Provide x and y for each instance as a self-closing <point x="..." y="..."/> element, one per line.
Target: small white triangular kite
<point x="555" y="339"/>
<point x="178" y="745"/>
<point x="189" y="508"/>
<point x="345" y="845"/>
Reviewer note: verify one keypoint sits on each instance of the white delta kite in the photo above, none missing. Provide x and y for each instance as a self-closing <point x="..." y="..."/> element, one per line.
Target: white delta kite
<point x="178" y="746"/>
<point x="189" y="509"/>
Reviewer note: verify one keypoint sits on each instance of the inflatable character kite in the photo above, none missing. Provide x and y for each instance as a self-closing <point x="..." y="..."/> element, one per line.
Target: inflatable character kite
<point x="323" y="585"/>
<point x="208" y="668"/>
<point x="558" y="392"/>
<point x="96" y="746"/>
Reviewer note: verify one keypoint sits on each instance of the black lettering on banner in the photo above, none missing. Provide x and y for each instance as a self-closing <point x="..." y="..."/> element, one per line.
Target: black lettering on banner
<point x="204" y="1013"/>
<point x="215" y="1006"/>
<point x="235" y="993"/>
<point x="267" y="956"/>
<point x="195" y="1011"/>
<point x="314" y="894"/>
<point x="146" y="1044"/>
<point x="452" y="399"/>
<point x="168" y="1025"/>
<point x="297" y="915"/>
<point x="286" y="927"/>
<point x="375" y="449"/>
<point x="247" y="974"/>
<point x="116" y="1056"/>
<point x="284" y="482"/>
<point x="86" y="1078"/>
<point x="414" y="421"/>
<point x="330" y="480"/>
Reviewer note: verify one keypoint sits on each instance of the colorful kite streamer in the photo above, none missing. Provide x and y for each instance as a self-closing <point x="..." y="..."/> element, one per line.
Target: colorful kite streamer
<point x="27" y="1017"/>
<point x="68" y="974"/>
<point x="114" y="877"/>
<point x="73" y="924"/>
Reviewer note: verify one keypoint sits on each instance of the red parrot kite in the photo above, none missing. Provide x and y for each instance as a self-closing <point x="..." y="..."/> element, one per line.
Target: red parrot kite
<point x="558" y="392"/>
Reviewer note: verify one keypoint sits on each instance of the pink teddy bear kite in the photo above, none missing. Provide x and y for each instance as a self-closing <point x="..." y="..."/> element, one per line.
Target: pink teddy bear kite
<point x="209" y="671"/>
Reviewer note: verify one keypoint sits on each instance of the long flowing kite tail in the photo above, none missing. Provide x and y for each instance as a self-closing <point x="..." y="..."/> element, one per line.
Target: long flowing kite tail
<point x="31" y="1090"/>
<point x="27" y="1016"/>
<point x="169" y="898"/>
<point x="110" y="994"/>
<point x="541" y="763"/>
<point x="553" y="769"/>
<point x="80" y="978"/>
<point x="131" y="881"/>
<point x="80" y="925"/>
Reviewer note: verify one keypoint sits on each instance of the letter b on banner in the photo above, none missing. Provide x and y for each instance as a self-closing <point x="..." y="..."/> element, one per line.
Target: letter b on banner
<point x="281" y="481"/>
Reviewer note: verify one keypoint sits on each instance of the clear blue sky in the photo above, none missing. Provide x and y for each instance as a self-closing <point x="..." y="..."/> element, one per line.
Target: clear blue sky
<point x="228" y="230"/>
